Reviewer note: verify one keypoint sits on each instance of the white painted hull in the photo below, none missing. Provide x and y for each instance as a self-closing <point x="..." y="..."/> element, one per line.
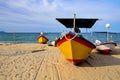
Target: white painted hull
<point x="103" y="49"/>
<point x="111" y="45"/>
<point x="106" y="47"/>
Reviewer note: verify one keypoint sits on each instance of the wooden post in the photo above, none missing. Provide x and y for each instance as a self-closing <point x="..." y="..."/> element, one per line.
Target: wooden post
<point x="14" y="37"/>
<point x="74" y="22"/>
<point x="107" y="26"/>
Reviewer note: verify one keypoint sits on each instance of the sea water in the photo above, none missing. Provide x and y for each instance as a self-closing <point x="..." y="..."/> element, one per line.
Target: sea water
<point x="32" y="37"/>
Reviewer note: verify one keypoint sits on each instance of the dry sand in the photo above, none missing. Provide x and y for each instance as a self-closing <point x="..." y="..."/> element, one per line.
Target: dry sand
<point x="42" y="62"/>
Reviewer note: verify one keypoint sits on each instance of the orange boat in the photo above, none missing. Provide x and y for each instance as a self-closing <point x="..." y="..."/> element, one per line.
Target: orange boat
<point x="73" y="46"/>
<point x="42" y="39"/>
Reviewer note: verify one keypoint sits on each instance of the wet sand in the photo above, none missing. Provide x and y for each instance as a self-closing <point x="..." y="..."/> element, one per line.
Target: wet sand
<point x="42" y="62"/>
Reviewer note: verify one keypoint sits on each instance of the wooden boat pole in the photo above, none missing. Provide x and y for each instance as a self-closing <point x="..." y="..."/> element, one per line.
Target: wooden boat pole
<point x="14" y="37"/>
<point x="74" y="23"/>
<point x="107" y="26"/>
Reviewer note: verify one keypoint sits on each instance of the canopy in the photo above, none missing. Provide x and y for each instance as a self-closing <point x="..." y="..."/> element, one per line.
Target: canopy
<point x="79" y="22"/>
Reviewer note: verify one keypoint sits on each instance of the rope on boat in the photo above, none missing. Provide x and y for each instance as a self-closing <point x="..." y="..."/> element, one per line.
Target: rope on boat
<point x="72" y="37"/>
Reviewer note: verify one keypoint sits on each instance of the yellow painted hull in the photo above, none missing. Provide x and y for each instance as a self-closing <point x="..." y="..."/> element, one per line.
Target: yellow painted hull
<point x="42" y="39"/>
<point x="75" y="50"/>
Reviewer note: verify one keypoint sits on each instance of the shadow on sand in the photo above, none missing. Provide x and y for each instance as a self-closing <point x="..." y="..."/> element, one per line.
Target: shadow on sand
<point x="20" y="52"/>
<point x="98" y="60"/>
<point x="37" y="50"/>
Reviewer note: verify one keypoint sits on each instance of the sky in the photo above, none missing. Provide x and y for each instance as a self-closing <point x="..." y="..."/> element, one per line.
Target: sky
<point x="40" y="15"/>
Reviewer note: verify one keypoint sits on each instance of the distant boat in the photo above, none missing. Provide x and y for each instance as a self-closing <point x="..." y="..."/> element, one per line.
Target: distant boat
<point x="107" y="46"/>
<point x="42" y="39"/>
<point x="53" y="42"/>
<point x="73" y="46"/>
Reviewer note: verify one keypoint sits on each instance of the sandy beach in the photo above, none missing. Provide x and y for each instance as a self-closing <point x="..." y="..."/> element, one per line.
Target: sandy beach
<point x="43" y="62"/>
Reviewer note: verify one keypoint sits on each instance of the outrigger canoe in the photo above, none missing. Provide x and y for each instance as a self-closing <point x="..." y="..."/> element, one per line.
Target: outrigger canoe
<point x="42" y="39"/>
<point x="73" y="46"/>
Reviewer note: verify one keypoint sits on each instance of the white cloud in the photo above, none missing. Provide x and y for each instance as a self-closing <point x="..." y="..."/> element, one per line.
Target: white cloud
<point x="43" y="12"/>
<point x="48" y="5"/>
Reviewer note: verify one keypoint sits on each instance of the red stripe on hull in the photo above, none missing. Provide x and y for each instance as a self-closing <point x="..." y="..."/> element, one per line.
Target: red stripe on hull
<point x="77" y="39"/>
<point x="59" y="42"/>
<point x="75" y="61"/>
<point x="106" y="51"/>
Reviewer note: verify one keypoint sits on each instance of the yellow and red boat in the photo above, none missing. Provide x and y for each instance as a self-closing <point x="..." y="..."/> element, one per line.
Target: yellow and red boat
<point x="73" y="46"/>
<point x="42" y="39"/>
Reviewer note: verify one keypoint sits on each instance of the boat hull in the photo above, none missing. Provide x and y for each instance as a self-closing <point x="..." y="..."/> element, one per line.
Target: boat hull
<point x="106" y="48"/>
<point x="42" y="39"/>
<point x="111" y="45"/>
<point x="75" y="50"/>
<point x="103" y="49"/>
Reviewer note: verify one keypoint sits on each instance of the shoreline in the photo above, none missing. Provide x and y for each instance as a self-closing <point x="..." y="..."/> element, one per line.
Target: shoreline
<point x="42" y="62"/>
